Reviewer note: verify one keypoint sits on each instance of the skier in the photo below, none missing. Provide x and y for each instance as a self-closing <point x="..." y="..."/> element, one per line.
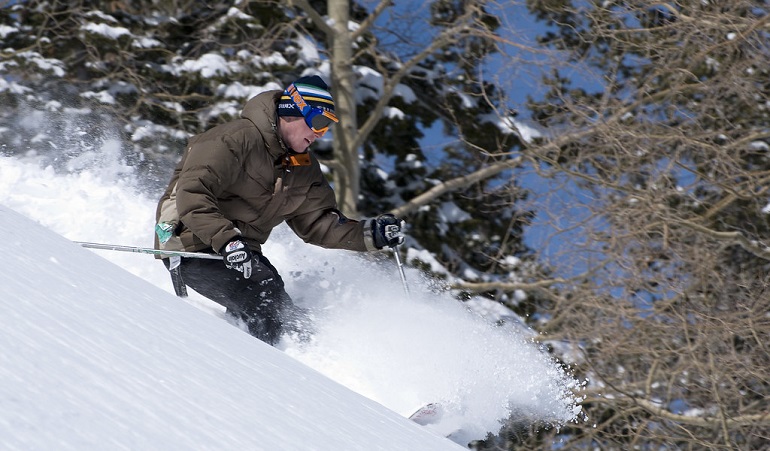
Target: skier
<point x="239" y="180"/>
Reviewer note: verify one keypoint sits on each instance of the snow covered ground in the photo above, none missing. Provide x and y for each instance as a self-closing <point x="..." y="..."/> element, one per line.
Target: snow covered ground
<point x="95" y="357"/>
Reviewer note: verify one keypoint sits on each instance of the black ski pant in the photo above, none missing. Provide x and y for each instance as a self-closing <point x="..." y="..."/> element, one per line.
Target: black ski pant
<point x="260" y="301"/>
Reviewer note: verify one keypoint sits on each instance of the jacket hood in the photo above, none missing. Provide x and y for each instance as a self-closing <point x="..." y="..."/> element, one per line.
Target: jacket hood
<point x="261" y="110"/>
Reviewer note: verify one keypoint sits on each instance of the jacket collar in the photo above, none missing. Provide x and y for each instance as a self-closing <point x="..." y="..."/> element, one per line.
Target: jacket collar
<point x="261" y="110"/>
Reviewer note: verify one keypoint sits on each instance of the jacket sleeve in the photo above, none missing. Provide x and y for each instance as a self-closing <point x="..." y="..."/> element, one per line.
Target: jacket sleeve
<point x="320" y="223"/>
<point x="210" y="167"/>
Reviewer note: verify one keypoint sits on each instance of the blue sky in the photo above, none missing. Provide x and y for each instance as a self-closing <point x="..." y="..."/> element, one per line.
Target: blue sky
<point x="560" y="203"/>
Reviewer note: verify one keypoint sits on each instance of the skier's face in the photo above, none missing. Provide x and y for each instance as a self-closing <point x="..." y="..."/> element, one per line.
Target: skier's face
<point x="296" y="134"/>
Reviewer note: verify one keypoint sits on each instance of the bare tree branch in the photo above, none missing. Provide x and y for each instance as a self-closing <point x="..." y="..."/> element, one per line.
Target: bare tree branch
<point x="762" y="420"/>
<point x="507" y="286"/>
<point x="752" y="246"/>
<point x="317" y="19"/>
<point x="366" y="24"/>
<point x="455" y="184"/>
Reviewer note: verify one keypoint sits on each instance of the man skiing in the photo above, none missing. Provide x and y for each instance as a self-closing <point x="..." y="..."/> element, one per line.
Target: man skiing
<point x="239" y="180"/>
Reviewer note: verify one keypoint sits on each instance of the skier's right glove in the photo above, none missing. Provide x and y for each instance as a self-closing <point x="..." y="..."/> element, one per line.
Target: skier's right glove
<point x="237" y="256"/>
<point x="387" y="230"/>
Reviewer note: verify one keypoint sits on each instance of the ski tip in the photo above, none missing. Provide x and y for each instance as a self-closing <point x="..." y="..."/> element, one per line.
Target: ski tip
<point x="427" y="414"/>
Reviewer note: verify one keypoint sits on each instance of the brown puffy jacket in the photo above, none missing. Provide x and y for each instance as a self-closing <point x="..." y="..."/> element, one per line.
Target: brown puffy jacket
<point x="231" y="182"/>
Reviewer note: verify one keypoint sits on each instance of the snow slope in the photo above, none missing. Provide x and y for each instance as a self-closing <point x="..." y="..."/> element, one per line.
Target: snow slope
<point x="399" y="352"/>
<point x="96" y="358"/>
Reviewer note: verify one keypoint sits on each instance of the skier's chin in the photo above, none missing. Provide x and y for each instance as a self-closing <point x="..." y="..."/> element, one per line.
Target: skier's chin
<point x="301" y="149"/>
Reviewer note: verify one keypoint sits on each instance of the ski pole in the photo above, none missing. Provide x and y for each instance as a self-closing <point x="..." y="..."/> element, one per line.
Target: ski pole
<point x="401" y="270"/>
<point x="146" y="250"/>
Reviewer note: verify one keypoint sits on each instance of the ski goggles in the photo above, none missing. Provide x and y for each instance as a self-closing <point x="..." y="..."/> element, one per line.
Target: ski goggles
<point x="318" y="119"/>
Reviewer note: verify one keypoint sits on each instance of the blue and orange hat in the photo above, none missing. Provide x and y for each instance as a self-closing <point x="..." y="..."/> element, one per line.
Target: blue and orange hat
<point x="314" y="91"/>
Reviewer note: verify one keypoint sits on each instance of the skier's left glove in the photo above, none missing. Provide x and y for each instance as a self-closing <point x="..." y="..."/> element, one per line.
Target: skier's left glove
<point x="387" y="230"/>
<point x="237" y="256"/>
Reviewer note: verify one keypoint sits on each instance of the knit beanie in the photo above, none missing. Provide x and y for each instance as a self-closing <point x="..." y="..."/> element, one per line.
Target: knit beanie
<point x="313" y="90"/>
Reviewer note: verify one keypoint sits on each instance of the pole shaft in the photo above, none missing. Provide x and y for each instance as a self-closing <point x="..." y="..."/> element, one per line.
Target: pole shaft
<point x="401" y="271"/>
<point x="146" y="250"/>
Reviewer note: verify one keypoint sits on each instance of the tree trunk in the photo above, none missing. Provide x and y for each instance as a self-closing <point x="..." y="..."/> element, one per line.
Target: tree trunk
<point x="347" y="174"/>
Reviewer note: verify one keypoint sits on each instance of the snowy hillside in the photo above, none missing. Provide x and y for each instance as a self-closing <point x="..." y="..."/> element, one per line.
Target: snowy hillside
<point x="106" y="349"/>
<point x="95" y="358"/>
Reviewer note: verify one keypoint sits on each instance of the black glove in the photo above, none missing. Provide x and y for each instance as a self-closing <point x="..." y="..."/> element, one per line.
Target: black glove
<point x="237" y="256"/>
<point x="387" y="230"/>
